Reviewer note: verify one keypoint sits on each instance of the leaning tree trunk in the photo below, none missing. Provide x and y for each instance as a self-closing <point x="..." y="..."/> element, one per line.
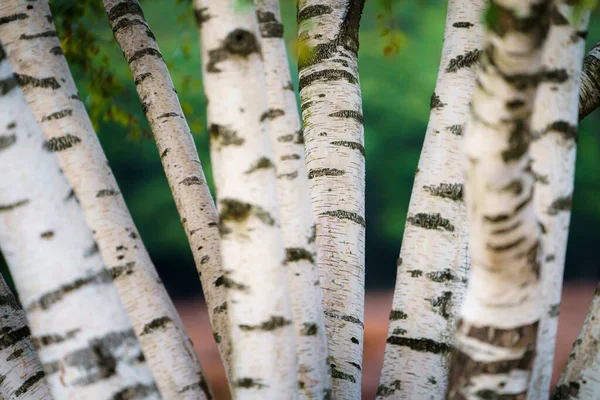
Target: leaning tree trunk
<point x="49" y="89"/>
<point x="497" y="326"/>
<point x="335" y="156"/>
<point x="177" y="152"/>
<point x="433" y="265"/>
<point x="297" y="221"/>
<point x="262" y="338"/>
<point x="21" y="373"/>
<point x="84" y="338"/>
<point x="554" y="128"/>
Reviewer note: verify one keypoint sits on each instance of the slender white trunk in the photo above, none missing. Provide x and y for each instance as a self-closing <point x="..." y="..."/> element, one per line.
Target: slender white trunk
<point x="335" y="156"/>
<point x="497" y="327"/>
<point x="29" y="34"/>
<point x="554" y="129"/>
<point x="84" y="338"/>
<point x="21" y="373"/>
<point x="178" y="155"/>
<point x="297" y="221"/>
<point x="434" y="263"/>
<point x="254" y="261"/>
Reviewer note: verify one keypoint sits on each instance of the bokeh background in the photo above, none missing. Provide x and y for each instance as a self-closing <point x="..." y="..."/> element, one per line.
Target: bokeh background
<point x="399" y="57"/>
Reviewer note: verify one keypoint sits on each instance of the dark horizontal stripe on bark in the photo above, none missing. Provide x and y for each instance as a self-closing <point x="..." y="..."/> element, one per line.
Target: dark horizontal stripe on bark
<point x="136" y="392"/>
<point x="238" y="211"/>
<point x="498" y="218"/>
<point x="168" y="115"/>
<point x="15" y="355"/>
<point x="275" y="322"/>
<point x="389" y="390"/>
<point x="556" y="17"/>
<point x="201" y="384"/>
<point x="430" y="221"/>
<point x="462" y="24"/>
<point x="347" y="318"/>
<point x="355" y="115"/>
<point x="9" y="337"/>
<point x="6" y="141"/>
<point x="99" y="360"/>
<point x="455" y="129"/>
<point x="268" y="25"/>
<point x="119" y="270"/>
<point x="316" y="173"/>
<point x="445" y="275"/>
<point x="148" y="51"/>
<point x="191" y="181"/>
<point x="229" y="283"/>
<point x="499" y="248"/>
<point x="124" y="8"/>
<point x="13" y="17"/>
<point x="290" y="157"/>
<point x="435" y="102"/>
<point x="29" y="383"/>
<point x="57" y="51"/>
<point x="415" y="273"/>
<point x="49" y="299"/>
<point x="26" y="81"/>
<point x="422" y="345"/>
<point x="461" y="61"/>
<point x="293" y="254"/>
<point x="563" y="128"/>
<point x="249" y="383"/>
<point x="107" y="193"/>
<point x="262" y="163"/>
<point x="201" y="16"/>
<point x="225" y="136"/>
<point x="238" y="42"/>
<point x="508" y="229"/>
<point x="271" y="114"/>
<point x="155" y="324"/>
<point x="127" y="23"/>
<point x="327" y="75"/>
<point x="141" y="77"/>
<point x="442" y="304"/>
<point x="349" y="215"/>
<point x="515" y="104"/>
<point x="53" y="338"/>
<point x="566" y="391"/>
<point x="61" y="143"/>
<point x="220" y="308"/>
<point x="10" y="207"/>
<point x="8" y="84"/>
<point x="313" y="11"/>
<point x="350" y="145"/>
<point x="396" y="315"/>
<point x="554" y="76"/>
<point x="291" y="175"/>
<point x="452" y="191"/>
<point x="337" y="374"/>
<point x="47" y="34"/>
<point x="561" y="204"/>
<point x="309" y="329"/>
<point x="509" y="338"/>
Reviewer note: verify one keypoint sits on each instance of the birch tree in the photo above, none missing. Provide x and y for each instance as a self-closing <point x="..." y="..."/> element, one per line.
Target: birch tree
<point x="497" y="326"/>
<point x="335" y="154"/>
<point x="254" y="260"/>
<point x="28" y="32"/>
<point x="434" y="261"/>
<point x="297" y="221"/>
<point x="83" y="336"/>
<point x="177" y="153"/>
<point x="21" y="373"/>
<point x="589" y="96"/>
<point x="554" y="127"/>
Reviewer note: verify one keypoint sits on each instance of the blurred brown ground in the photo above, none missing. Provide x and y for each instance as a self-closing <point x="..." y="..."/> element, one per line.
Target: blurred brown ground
<point x="576" y="300"/>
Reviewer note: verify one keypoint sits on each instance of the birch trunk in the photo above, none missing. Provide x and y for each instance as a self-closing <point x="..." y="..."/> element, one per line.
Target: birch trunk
<point x="21" y="373"/>
<point x="497" y="326"/>
<point x="589" y="96"/>
<point x="553" y="150"/>
<point x="335" y="156"/>
<point x="297" y="221"/>
<point x="29" y="34"/>
<point x="84" y="338"/>
<point x="434" y="263"/>
<point x="178" y="155"/>
<point x="254" y="261"/>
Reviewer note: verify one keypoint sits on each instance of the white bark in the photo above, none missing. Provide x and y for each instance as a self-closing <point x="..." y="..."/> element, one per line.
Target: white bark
<point x="434" y="262"/>
<point x="85" y="340"/>
<point x="297" y="221"/>
<point x="498" y="323"/>
<point x="178" y="155"/>
<point x="553" y="150"/>
<point x="335" y="155"/>
<point x="263" y="360"/>
<point x="30" y="36"/>
<point x="21" y="373"/>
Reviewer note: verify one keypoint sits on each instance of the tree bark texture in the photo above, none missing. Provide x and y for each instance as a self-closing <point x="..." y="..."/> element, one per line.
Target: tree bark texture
<point x="496" y="331"/>
<point x="33" y="46"/>
<point x="335" y="156"/>
<point x="84" y="339"/>
<point x="553" y="150"/>
<point x="263" y="360"/>
<point x="589" y="96"/>
<point x="297" y="220"/>
<point x="21" y="373"/>
<point x="434" y="261"/>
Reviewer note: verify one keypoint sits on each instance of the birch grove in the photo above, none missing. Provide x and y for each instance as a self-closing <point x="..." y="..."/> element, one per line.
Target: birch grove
<point x="280" y="251"/>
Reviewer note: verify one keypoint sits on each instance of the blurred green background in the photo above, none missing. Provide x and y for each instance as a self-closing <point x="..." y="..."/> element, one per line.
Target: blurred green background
<point x="396" y="92"/>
